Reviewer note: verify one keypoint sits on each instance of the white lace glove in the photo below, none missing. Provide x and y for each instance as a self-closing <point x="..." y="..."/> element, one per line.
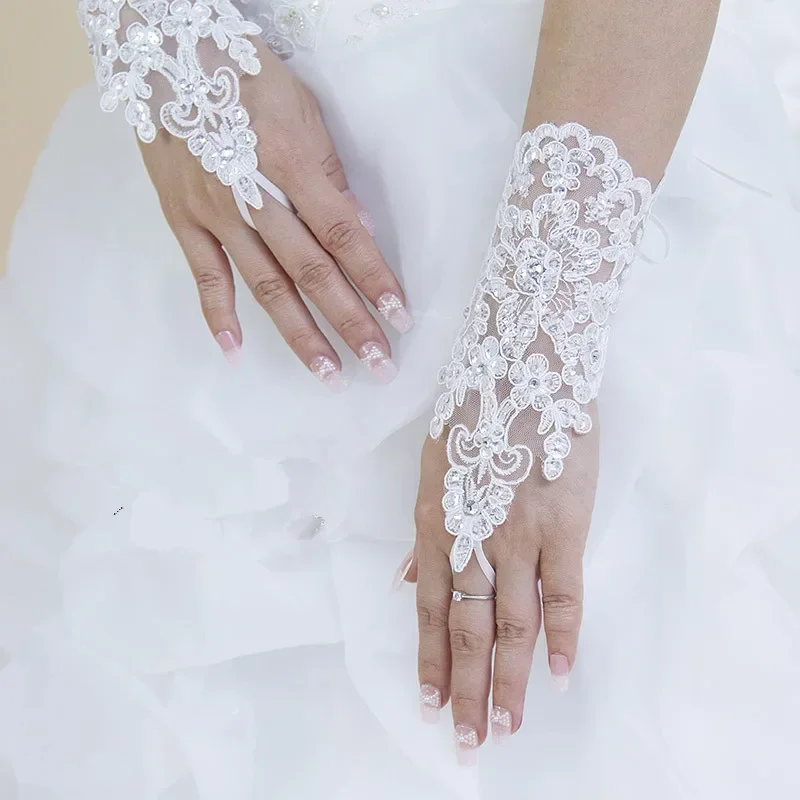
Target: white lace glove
<point x="177" y="64"/>
<point x="529" y="359"/>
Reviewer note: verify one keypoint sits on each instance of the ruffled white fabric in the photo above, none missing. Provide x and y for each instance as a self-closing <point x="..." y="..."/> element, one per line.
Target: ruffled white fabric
<point x="174" y="625"/>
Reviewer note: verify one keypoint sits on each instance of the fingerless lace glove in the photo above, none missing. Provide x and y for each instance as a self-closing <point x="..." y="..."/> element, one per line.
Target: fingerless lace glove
<point x="178" y="64"/>
<point x="529" y="358"/>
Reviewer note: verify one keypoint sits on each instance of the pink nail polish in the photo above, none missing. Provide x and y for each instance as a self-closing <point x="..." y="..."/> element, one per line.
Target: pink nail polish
<point x="559" y="669"/>
<point x="466" y="738"/>
<point x="324" y="370"/>
<point x="364" y="217"/>
<point x="375" y="359"/>
<point x="501" y="725"/>
<point x="230" y="347"/>
<point x="402" y="571"/>
<point x="394" y="312"/>
<point x="430" y="703"/>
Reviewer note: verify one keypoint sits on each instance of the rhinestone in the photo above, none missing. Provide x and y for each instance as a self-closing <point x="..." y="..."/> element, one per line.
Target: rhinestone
<point x="381" y="10"/>
<point x="458" y="597"/>
<point x="227" y="153"/>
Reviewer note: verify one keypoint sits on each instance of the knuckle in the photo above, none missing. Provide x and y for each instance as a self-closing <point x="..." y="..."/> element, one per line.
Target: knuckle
<point x="270" y="290"/>
<point x="432" y="617"/>
<point x="372" y="274"/>
<point x="466" y="642"/>
<point x="561" y="611"/>
<point x="332" y="166"/>
<point x="340" y="236"/>
<point x="210" y="282"/>
<point x="464" y="702"/>
<point x="314" y="274"/>
<point x="514" y="631"/>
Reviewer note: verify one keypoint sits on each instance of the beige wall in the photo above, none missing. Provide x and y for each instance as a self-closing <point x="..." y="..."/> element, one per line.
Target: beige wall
<point x="42" y="59"/>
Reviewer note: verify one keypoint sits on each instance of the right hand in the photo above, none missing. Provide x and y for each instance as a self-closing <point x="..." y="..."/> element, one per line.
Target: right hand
<point x="325" y="250"/>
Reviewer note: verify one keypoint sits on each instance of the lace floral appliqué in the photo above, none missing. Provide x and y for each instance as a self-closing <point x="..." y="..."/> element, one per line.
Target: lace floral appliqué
<point x="530" y="356"/>
<point x="134" y="41"/>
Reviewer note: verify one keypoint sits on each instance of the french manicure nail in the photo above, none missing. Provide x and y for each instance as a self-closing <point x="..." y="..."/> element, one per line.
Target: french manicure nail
<point x="229" y="346"/>
<point x="394" y="312"/>
<point x="430" y="703"/>
<point x="466" y="738"/>
<point x="375" y="359"/>
<point x="501" y="724"/>
<point x="364" y="217"/>
<point x="325" y="371"/>
<point x="402" y="571"/>
<point x="559" y="669"/>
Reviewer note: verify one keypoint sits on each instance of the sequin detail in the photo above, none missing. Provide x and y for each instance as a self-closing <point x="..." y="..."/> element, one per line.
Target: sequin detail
<point x="529" y="358"/>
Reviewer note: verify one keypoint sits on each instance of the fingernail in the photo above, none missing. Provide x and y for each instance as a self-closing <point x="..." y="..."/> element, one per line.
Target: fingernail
<point x="324" y="370"/>
<point x="364" y="216"/>
<point x="394" y="312"/>
<point x="377" y="362"/>
<point x="402" y="571"/>
<point x="230" y="347"/>
<point x="501" y="725"/>
<point x="559" y="669"/>
<point x="430" y="703"/>
<point x="466" y="739"/>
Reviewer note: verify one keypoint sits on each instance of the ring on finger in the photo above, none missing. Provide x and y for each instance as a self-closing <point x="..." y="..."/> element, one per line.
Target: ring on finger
<point x="459" y="596"/>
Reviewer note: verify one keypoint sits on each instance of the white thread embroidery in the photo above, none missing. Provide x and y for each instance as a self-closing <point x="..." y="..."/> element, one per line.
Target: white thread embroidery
<point x="203" y="107"/>
<point x="531" y="352"/>
<point x="289" y="26"/>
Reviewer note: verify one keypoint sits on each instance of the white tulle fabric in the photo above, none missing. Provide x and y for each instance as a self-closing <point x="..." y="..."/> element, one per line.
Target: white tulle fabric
<point x="174" y="622"/>
<point x="529" y="359"/>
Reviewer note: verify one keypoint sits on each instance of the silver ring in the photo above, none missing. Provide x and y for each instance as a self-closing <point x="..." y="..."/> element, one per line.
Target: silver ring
<point x="459" y="596"/>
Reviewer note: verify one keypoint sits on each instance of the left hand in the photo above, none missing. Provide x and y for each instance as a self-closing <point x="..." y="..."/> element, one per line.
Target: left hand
<point x="540" y="545"/>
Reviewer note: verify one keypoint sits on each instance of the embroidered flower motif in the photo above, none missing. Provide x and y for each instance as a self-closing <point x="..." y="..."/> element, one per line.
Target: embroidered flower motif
<point x="534" y="383"/>
<point x="621" y="249"/>
<point x="142" y="50"/>
<point x="562" y="175"/>
<point x="485" y="365"/>
<point x="188" y="22"/>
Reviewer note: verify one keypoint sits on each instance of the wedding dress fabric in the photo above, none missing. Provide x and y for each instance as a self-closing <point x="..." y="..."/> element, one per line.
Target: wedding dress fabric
<point x="195" y="559"/>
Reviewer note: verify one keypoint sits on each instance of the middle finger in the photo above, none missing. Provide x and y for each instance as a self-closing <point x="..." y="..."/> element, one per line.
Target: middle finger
<point x="472" y="624"/>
